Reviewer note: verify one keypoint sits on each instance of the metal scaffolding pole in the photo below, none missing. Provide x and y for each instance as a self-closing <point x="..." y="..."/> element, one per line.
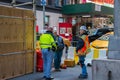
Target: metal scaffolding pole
<point x="34" y="10"/>
<point x="43" y="17"/>
<point x="27" y="3"/>
<point x="13" y="2"/>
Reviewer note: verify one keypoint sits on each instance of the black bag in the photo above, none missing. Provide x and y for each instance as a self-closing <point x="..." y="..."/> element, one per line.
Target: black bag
<point x="60" y="47"/>
<point x="53" y="48"/>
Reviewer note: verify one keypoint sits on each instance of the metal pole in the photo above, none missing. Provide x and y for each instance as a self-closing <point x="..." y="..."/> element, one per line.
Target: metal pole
<point x="117" y="18"/>
<point x="23" y="4"/>
<point x="43" y="17"/>
<point x="34" y="10"/>
<point x="114" y="41"/>
<point x="13" y="2"/>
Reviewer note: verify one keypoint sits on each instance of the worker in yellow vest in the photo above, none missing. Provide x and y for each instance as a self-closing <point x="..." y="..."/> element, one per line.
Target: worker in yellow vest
<point x="82" y="49"/>
<point x="48" y="46"/>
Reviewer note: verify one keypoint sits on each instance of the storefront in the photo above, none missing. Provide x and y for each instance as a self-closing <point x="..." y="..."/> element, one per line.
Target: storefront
<point x="90" y="14"/>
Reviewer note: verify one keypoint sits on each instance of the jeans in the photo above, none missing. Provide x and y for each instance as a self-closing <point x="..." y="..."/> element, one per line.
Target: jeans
<point x="47" y="62"/>
<point x="57" y="59"/>
<point x="83" y="66"/>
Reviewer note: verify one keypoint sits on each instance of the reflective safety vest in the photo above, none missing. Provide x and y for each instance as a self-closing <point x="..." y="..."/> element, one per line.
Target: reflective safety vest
<point x="47" y="41"/>
<point x="86" y="48"/>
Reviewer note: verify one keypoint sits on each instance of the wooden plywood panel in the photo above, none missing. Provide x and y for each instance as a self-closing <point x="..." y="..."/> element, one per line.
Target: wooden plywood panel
<point x="1" y="24"/>
<point x="0" y="68"/>
<point x="29" y="62"/>
<point x="12" y="65"/>
<point x="6" y="70"/>
<point x="16" y="36"/>
<point x="10" y="11"/>
<point x="19" y="64"/>
<point x="28" y="14"/>
<point x="3" y="10"/>
<point x="29" y="34"/>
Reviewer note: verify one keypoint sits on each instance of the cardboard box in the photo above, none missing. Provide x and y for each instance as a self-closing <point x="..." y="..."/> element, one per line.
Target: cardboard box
<point x="69" y="62"/>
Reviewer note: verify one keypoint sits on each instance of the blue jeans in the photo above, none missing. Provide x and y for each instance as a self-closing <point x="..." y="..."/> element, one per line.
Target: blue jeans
<point x="47" y="61"/>
<point x="57" y="59"/>
<point x="83" y="66"/>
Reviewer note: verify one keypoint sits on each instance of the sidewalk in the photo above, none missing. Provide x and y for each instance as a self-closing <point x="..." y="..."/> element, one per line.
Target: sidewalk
<point x="65" y="74"/>
<point x="71" y="73"/>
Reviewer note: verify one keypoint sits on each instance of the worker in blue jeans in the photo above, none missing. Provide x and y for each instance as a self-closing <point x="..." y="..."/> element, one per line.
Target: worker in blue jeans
<point x="48" y="47"/>
<point x="47" y="58"/>
<point x="83" y="66"/>
<point x="82" y="50"/>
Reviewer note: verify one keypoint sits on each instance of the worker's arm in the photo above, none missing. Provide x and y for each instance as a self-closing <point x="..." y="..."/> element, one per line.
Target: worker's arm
<point x="80" y="44"/>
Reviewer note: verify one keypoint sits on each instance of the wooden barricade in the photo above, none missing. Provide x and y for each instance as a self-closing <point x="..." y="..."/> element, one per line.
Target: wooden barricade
<point x="16" y="42"/>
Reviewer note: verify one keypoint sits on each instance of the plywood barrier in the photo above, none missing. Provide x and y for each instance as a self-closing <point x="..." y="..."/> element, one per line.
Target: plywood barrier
<point x="16" y="42"/>
<point x="29" y="62"/>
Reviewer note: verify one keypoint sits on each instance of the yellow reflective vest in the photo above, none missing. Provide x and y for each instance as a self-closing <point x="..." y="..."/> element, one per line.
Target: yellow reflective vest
<point x="46" y="41"/>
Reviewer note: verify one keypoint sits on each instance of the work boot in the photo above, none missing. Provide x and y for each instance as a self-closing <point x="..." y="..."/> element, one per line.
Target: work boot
<point x="51" y="78"/>
<point x="81" y="76"/>
<point x="89" y="65"/>
<point x="57" y="70"/>
<point x="44" y="77"/>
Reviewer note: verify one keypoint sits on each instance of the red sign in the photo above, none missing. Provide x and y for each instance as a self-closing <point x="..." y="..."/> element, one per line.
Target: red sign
<point x="65" y="29"/>
<point x="103" y="1"/>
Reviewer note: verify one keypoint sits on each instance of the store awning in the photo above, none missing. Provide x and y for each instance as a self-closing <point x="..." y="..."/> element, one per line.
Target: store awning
<point x="87" y="9"/>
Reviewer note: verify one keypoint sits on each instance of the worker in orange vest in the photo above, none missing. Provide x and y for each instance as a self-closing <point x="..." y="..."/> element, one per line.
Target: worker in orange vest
<point x="82" y="49"/>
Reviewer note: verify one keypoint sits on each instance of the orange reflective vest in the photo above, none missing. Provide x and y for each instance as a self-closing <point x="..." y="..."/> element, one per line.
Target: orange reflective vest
<point x="86" y="48"/>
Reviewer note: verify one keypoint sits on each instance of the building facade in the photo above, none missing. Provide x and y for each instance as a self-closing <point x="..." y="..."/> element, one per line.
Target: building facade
<point x="54" y="14"/>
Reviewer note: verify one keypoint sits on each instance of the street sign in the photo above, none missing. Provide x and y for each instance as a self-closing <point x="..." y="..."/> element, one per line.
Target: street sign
<point x="43" y="2"/>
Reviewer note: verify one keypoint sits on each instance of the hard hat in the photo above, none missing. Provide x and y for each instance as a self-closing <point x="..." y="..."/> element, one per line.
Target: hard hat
<point x="66" y="34"/>
<point x="54" y="31"/>
<point x="50" y="29"/>
<point x="83" y="28"/>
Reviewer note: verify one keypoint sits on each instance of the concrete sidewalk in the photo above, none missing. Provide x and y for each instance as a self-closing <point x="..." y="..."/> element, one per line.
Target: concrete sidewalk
<point x="71" y="73"/>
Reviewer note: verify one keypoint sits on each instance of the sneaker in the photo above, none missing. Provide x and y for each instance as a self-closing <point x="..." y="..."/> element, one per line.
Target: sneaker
<point x="81" y="76"/>
<point x="44" y="77"/>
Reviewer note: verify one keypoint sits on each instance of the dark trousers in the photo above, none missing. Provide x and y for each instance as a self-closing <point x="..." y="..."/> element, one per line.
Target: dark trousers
<point x="57" y="59"/>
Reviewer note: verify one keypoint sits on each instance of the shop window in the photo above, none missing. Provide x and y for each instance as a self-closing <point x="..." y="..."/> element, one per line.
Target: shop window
<point x="61" y="19"/>
<point x="49" y="2"/>
<point x="74" y="21"/>
<point x="47" y="20"/>
<point x="60" y="3"/>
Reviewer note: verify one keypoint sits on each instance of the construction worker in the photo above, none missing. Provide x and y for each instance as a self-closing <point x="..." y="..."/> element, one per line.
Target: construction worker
<point x="82" y="49"/>
<point x="59" y="52"/>
<point x="48" y="46"/>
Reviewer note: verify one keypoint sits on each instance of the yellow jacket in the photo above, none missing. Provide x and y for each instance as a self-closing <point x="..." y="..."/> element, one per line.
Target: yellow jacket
<point x="47" y="41"/>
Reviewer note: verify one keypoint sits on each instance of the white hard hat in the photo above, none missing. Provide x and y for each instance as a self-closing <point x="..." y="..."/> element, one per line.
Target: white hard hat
<point x="66" y="34"/>
<point x="83" y="28"/>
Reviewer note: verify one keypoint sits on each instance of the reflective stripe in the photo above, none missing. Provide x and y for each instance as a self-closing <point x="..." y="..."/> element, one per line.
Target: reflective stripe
<point x="85" y="50"/>
<point x="44" y="44"/>
<point x="46" y="41"/>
